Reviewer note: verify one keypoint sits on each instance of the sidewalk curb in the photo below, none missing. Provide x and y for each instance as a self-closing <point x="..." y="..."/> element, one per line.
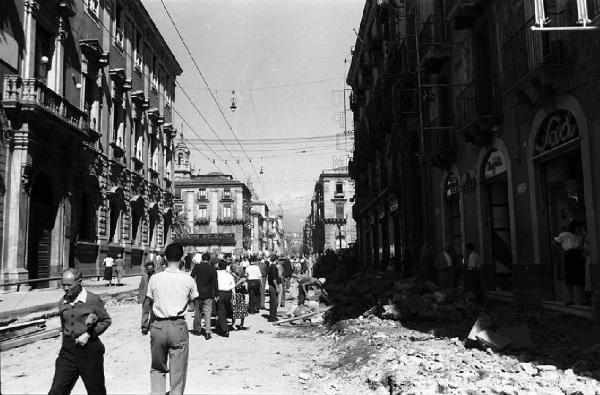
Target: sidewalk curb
<point x="6" y="315"/>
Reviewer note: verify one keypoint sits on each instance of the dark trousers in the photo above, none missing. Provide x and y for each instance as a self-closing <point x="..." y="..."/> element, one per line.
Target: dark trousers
<point x="254" y="296"/>
<point x="169" y="340"/>
<point x="263" y="291"/>
<point x="75" y="361"/>
<point x="224" y="310"/>
<point x="146" y="314"/>
<point x="301" y="295"/>
<point x="273" y="299"/>
<point x="203" y="308"/>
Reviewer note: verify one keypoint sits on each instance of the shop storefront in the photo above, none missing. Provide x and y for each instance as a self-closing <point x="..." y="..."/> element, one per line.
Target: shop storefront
<point x="559" y="168"/>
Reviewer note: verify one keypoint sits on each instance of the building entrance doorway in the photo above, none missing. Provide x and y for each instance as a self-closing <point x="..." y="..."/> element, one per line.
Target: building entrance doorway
<point x="497" y="197"/>
<point x="563" y="176"/>
<point x="41" y="222"/>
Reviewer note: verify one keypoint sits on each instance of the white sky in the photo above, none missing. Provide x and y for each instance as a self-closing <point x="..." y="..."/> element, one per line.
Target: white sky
<point x="243" y="45"/>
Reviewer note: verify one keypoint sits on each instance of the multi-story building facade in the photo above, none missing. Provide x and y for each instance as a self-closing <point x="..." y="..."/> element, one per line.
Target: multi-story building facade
<point x="307" y="236"/>
<point x="215" y="206"/>
<point x="472" y="127"/>
<point x="88" y="90"/>
<point x="260" y="218"/>
<point x="331" y="219"/>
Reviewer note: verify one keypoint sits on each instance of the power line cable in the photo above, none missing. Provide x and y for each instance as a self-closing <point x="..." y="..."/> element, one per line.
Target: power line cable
<point x="158" y="93"/>
<point x="209" y="90"/>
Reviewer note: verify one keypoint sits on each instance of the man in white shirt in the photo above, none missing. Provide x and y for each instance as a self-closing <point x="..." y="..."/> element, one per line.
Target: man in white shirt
<point x="169" y="293"/>
<point x="254" y="275"/>
<point x="226" y="288"/>
<point x="108" y="269"/>
<point x="473" y="267"/>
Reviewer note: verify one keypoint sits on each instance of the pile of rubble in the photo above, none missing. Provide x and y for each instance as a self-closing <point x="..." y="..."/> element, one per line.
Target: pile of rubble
<point x="405" y="299"/>
<point x="383" y="356"/>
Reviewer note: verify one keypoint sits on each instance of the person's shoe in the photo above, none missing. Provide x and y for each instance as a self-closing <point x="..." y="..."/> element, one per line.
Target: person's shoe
<point x="195" y="332"/>
<point x="106" y="285"/>
<point x="208" y="336"/>
<point x="226" y="334"/>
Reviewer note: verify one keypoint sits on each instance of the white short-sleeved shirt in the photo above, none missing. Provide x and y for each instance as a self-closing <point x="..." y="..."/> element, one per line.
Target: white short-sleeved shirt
<point x="253" y="272"/>
<point x="108" y="261"/>
<point x="171" y="290"/>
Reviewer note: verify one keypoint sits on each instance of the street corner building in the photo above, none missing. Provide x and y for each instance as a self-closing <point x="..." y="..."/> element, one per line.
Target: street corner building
<point x="87" y="142"/>
<point x="470" y="126"/>
<point x="330" y="225"/>
<point x="218" y="213"/>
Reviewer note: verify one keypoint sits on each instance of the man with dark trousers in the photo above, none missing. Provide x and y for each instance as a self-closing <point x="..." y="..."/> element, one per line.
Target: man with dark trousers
<point x="170" y="292"/>
<point x="82" y="319"/>
<point x="142" y="292"/>
<point x="274" y="281"/>
<point x="205" y="276"/>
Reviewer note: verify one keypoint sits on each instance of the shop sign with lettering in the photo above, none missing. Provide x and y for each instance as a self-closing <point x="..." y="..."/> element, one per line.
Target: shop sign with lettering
<point x="495" y="165"/>
<point x="452" y="185"/>
<point x="205" y="239"/>
<point x="559" y="127"/>
<point x="394" y="206"/>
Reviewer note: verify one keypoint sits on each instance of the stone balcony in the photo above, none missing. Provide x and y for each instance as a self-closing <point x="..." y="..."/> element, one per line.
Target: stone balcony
<point x="35" y="101"/>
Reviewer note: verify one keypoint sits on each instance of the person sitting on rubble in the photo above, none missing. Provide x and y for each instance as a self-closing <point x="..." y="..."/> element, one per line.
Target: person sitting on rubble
<point x="306" y="282"/>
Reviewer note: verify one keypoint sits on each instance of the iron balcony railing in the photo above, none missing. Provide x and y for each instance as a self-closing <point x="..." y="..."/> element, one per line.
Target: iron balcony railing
<point x="526" y="50"/>
<point x="22" y="92"/>
<point x="433" y="32"/>
<point x="476" y="100"/>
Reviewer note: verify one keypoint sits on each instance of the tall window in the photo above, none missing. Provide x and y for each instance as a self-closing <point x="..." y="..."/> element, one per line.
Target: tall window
<point x="154" y="72"/>
<point x="227" y="193"/>
<point x="201" y="191"/>
<point x="339" y="188"/>
<point x="202" y="212"/>
<point x="339" y="210"/>
<point x="226" y="211"/>
<point x="119" y="25"/>
<point x="43" y="53"/>
<point x="138" y="50"/>
<point x="93" y="7"/>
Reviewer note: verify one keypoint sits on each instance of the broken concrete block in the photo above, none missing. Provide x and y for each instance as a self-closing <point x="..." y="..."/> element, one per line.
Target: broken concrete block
<point x="528" y="368"/>
<point x="301" y="310"/>
<point x="312" y="305"/>
<point x="519" y="335"/>
<point x="493" y="339"/>
<point x="391" y="311"/>
<point x="483" y="322"/>
<point x="546" y="368"/>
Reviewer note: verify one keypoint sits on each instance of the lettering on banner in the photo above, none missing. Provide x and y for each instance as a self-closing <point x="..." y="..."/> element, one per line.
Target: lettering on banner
<point x="559" y="127"/>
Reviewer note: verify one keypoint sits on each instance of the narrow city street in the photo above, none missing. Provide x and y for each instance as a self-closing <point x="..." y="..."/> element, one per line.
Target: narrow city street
<point x="262" y="359"/>
<point x="366" y="354"/>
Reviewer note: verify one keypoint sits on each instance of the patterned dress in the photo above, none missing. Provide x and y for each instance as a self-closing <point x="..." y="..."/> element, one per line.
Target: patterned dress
<point x="238" y="301"/>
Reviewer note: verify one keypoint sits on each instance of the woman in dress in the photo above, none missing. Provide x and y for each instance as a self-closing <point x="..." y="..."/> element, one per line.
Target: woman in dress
<point x="238" y="302"/>
<point x="571" y="243"/>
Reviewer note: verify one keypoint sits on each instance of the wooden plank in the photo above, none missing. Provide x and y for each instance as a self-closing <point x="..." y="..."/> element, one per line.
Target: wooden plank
<point x="7" y="345"/>
<point x="301" y="317"/>
<point x="21" y="332"/>
<point x="18" y="325"/>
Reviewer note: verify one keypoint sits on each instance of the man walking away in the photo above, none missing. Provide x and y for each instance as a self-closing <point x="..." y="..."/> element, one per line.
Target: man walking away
<point x="473" y="271"/>
<point x="119" y="266"/>
<point x="254" y="275"/>
<point x="82" y="318"/>
<point x="170" y="292"/>
<point x="142" y="292"/>
<point x="262" y="265"/>
<point x="226" y="285"/>
<point x="274" y="281"/>
<point x="287" y="275"/>
<point x="205" y="276"/>
<point x="108" y="269"/>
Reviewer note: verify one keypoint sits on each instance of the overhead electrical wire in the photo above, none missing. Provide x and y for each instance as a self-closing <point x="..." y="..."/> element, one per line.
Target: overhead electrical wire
<point x="260" y="88"/>
<point x="72" y="29"/>
<point x="209" y="90"/>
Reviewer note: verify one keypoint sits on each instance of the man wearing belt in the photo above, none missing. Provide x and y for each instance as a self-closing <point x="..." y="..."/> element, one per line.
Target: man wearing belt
<point x="169" y="293"/>
<point x="82" y="319"/>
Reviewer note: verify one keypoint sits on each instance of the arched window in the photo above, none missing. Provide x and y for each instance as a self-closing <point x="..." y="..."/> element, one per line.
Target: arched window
<point x="180" y="158"/>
